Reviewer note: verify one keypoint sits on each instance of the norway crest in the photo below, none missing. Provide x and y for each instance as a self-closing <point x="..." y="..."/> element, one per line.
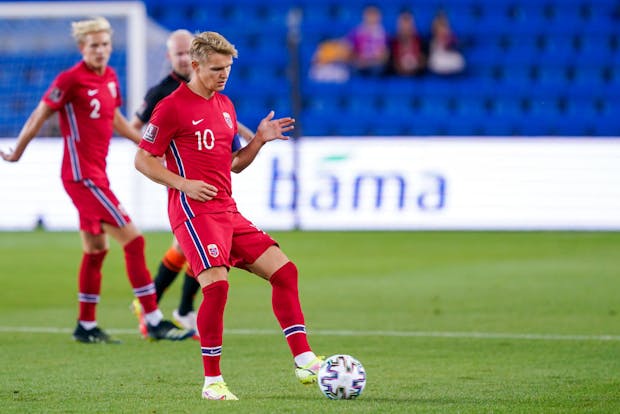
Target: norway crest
<point x="228" y="119"/>
<point x="112" y="88"/>
<point x="213" y="250"/>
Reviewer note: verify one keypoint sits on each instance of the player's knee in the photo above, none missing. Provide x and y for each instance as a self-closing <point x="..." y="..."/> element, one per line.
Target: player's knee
<point x="285" y="276"/>
<point x="135" y="246"/>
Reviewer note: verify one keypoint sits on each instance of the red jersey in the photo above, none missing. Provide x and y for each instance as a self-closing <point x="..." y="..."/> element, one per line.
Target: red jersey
<point x="197" y="136"/>
<point x="86" y="103"/>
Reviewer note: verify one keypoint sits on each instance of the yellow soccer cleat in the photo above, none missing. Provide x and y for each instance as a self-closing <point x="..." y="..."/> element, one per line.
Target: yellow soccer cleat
<point x="218" y="391"/>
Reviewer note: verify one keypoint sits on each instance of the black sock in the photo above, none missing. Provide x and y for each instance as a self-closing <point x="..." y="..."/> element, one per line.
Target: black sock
<point x="190" y="287"/>
<point x="164" y="278"/>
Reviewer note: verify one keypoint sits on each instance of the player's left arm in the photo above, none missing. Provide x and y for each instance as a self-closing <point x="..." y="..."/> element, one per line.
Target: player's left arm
<point x="124" y="128"/>
<point x="246" y="133"/>
<point x="269" y="129"/>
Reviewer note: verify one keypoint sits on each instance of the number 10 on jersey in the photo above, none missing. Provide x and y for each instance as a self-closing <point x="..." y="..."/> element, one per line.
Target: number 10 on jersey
<point x="206" y="139"/>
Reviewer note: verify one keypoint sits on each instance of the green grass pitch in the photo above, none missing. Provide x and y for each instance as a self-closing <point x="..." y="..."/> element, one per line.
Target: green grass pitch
<point x="459" y="322"/>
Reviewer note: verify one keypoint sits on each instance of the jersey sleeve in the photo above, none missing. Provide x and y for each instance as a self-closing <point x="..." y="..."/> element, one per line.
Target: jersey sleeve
<point x="59" y="92"/>
<point x="161" y="128"/>
<point x="151" y="99"/>
<point x="236" y="143"/>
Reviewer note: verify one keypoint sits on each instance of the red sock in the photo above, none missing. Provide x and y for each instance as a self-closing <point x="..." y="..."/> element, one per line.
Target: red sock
<point x="139" y="276"/>
<point x="210" y="321"/>
<point x="89" y="285"/>
<point x="287" y="308"/>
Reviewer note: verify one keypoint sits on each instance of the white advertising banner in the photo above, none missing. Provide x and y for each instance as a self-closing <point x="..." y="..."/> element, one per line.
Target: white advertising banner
<point x="361" y="183"/>
<point x="460" y="183"/>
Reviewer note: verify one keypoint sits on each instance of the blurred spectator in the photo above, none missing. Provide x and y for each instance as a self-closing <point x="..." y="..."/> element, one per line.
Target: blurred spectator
<point x="369" y="44"/>
<point x="444" y="56"/>
<point x="407" y="54"/>
<point x="330" y="62"/>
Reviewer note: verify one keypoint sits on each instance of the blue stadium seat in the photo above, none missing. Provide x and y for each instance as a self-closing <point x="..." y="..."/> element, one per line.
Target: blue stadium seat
<point x="325" y="105"/>
<point x="436" y="107"/>
<point x="544" y="108"/>
<point x="552" y="77"/>
<point x="608" y="122"/>
<point x="558" y="50"/>
<point x="530" y="66"/>
<point x="585" y="107"/>
<point x="591" y="76"/>
<point x="594" y="48"/>
<point x="517" y="77"/>
<point x="573" y="126"/>
<point x="398" y="105"/>
<point x="362" y="106"/>
<point x="508" y="107"/>
<point x="525" y="50"/>
<point x="526" y="18"/>
<point x="391" y="125"/>
<point x="350" y="124"/>
<point x="565" y="20"/>
<point x="170" y="17"/>
<point x="312" y="124"/>
<point x="473" y="107"/>
<point x="424" y="125"/>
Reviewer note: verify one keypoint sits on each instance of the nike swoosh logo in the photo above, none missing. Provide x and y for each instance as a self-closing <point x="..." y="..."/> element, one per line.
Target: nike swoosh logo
<point x="92" y="92"/>
<point x="197" y="122"/>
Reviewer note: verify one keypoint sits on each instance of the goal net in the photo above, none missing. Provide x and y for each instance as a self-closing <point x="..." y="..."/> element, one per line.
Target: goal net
<point x="36" y="44"/>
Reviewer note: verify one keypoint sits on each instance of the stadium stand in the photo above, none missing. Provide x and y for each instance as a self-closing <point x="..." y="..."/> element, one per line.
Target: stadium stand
<point x="534" y="67"/>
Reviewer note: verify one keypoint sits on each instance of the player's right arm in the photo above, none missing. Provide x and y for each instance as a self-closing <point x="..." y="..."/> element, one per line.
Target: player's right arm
<point x="155" y="141"/>
<point x="150" y="165"/>
<point x="30" y="130"/>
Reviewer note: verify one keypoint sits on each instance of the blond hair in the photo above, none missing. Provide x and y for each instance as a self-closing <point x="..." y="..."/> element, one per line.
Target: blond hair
<point x="81" y="28"/>
<point x="207" y="43"/>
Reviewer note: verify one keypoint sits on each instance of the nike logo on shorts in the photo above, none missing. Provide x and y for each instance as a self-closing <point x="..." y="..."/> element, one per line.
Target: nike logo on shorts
<point x="197" y="122"/>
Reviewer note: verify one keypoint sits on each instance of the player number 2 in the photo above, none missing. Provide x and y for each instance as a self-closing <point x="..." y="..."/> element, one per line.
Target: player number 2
<point x="206" y="139"/>
<point x="96" y="105"/>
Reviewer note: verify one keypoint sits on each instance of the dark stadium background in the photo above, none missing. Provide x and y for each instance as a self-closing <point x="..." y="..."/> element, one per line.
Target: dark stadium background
<point x="534" y="67"/>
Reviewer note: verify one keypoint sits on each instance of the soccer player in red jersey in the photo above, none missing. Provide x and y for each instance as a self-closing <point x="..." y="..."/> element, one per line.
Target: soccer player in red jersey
<point x="177" y="53"/>
<point x="195" y="128"/>
<point x="87" y="98"/>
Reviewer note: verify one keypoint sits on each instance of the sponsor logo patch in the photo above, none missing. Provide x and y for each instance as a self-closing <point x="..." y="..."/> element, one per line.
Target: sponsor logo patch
<point x="150" y="133"/>
<point x="213" y="250"/>
<point x="55" y="95"/>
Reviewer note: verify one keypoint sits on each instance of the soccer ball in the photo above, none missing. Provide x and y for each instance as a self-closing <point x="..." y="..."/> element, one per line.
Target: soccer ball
<point x="341" y="377"/>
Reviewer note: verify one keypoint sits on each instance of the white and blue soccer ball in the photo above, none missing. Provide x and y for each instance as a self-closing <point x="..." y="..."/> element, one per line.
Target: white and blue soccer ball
<point x="341" y="377"/>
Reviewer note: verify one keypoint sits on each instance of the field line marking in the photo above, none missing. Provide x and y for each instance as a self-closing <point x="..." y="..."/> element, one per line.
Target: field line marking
<point x="322" y="332"/>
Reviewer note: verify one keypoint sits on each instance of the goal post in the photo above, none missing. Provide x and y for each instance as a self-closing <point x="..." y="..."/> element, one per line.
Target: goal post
<point x="35" y="46"/>
<point x="43" y="28"/>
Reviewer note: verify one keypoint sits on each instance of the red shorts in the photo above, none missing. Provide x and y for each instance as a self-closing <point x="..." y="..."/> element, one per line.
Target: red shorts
<point x="221" y="239"/>
<point x="95" y="205"/>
